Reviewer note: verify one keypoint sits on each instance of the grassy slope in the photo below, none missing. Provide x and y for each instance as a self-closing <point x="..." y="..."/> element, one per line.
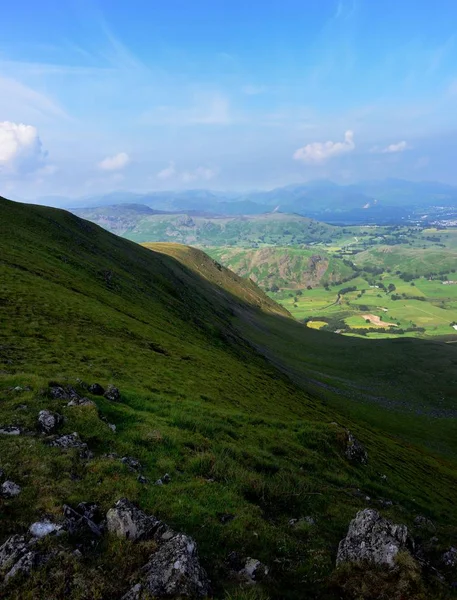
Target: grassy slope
<point x="415" y="261"/>
<point x="176" y="332"/>
<point x="289" y="268"/>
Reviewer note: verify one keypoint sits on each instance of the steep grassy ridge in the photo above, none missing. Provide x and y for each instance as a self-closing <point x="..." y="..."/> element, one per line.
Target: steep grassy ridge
<point x="193" y="349"/>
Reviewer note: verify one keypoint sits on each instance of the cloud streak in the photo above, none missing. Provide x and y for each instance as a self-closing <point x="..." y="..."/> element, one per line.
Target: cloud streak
<point x="321" y="151"/>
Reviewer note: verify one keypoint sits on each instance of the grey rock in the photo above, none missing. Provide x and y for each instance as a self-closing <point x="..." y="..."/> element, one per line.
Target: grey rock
<point x="22" y="407"/>
<point x="81" y="402"/>
<point x="142" y="479"/>
<point x="84" y="520"/>
<point x="450" y="557"/>
<point x="165" y="480"/>
<point x="41" y="529"/>
<point x="374" y="539"/>
<point x="72" y="441"/>
<point x="12" y="550"/>
<point x="127" y="521"/>
<point x="19" y="555"/>
<point x="355" y="451"/>
<point x="132" y="463"/>
<point x="10" y="430"/>
<point x="253" y="571"/>
<point x="112" y="393"/>
<point x="423" y="523"/>
<point x="59" y="392"/>
<point x="9" y="489"/>
<point x="49" y="421"/>
<point x="96" y="389"/>
<point x="309" y="520"/>
<point x="112" y="427"/>
<point x="174" y="571"/>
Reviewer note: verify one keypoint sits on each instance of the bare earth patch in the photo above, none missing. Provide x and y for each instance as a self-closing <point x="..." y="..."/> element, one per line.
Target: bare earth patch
<point x="374" y="320"/>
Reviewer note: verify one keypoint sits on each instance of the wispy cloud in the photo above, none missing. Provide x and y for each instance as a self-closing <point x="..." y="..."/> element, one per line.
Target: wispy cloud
<point x="321" y="151"/>
<point x="391" y="148"/>
<point x="171" y="173"/>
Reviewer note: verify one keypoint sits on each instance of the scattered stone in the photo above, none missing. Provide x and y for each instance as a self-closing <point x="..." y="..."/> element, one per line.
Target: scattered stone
<point x="374" y="539"/>
<point x="112" y="393"/>
<point x="9" y="489"/>
<point x="253" y="571"/>
<point x="96" y="389"/>
<point x="41" y="529"/>
<point x="142" y="479"/>
<point x="22" y="407"/>
<point x="308" y="520"/>
<point x="132" y="463"/>
<point x="423" y="523"/>
<point x="10" y="430"/>
<point x="125" y="520"/>
<point x="70" y="441"/>
<point x="18" y="389"/>
<point x="383" y="477"/>
<point x="165" y="480"/>
<point x="225" y="517"/>
<point x="450" y="557"/>
<point x="59" y="392"/>
<point x="112" y="427"/>
<point x="355" y="451"/>
<point x="173" y="571"/>
<point x="85" y="519"/>
<point x="49" y="421"/>
<point x="81" y="402"/>
<point x="111" y="455"/>
<point x="105" y="420"/>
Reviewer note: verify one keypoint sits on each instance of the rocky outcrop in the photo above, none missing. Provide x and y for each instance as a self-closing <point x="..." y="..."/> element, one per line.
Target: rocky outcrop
<point x="355" y="451"/>
<point x="83" y="521"/>
<point x="81" y="402"/>
<point x="373" y="539"/>
<point x="450" y="557"/>
<point x="112" y="393"/>
<point x="10" y="430"/>
<point x="127" y="521"/>
<point x="174" y="569"/>
<point x="58" y="392"/>
<point x="48" y="421"/>
<point x="9" y="489"/>
<point x="18" y="555"/>
<point x="132" y="463"/>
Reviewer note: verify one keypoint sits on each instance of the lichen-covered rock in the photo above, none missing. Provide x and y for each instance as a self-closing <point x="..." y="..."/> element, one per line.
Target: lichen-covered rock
<point x="174" y="571"/>
<point x="49" y="421"/>
<point x="96" y="389"/>
<point x="112" y="393"/>
<point x="450" y="557"/>
<point x="19" y="555"/>
<point x="59" y="392"/>
<point x="373" y="539"/>
<point x="9" y="489"/>
<point x="81" y="402"/>
<point x="253" y="571"/>
<point x="71" y="441"/>
<point x="355" y="451"/>
<point x="127" y="521"/>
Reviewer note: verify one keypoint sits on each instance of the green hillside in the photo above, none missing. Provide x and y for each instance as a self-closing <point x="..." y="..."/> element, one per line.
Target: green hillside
<point x="220" y="388"/>
<point x="414" y="261"/>
<point x="284" y="268"/>
<point x="264" y="229"/>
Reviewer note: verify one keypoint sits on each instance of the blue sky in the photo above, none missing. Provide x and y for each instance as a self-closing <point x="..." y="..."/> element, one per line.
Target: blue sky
<point x="149" y="95"/>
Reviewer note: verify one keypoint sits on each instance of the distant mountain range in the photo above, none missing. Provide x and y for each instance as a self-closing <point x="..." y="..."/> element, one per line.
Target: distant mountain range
<point x="370" y="201"/>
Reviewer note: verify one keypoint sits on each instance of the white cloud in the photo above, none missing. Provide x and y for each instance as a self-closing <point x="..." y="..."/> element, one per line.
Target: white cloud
<point x="167" y="173"/>
<point x="114" y="163"/>
<point x="398" y="147"/>
<point x="21" y="150"/>
<point x="321" y="151"/>
<point x="198" y="174"/>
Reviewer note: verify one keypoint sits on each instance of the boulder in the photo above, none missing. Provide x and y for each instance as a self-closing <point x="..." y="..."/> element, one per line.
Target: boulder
<point x="112" y="393"/>
<point x="10" y="430"/>
<point x="373" y="539"/>
<point x="59" y="392"/>
<point x="450" y="557"/>
<point x="48" y="421"/>
<point x="253" y="571"/>
<point x="127" y="521"/>
<point x="96" y="389"/>
<point x="41" y="529"/>
<point x="355" y="451"/>
<point x="19" y="555"/>
<point x="173" y="571"/>
<point x="9" y="489"/>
